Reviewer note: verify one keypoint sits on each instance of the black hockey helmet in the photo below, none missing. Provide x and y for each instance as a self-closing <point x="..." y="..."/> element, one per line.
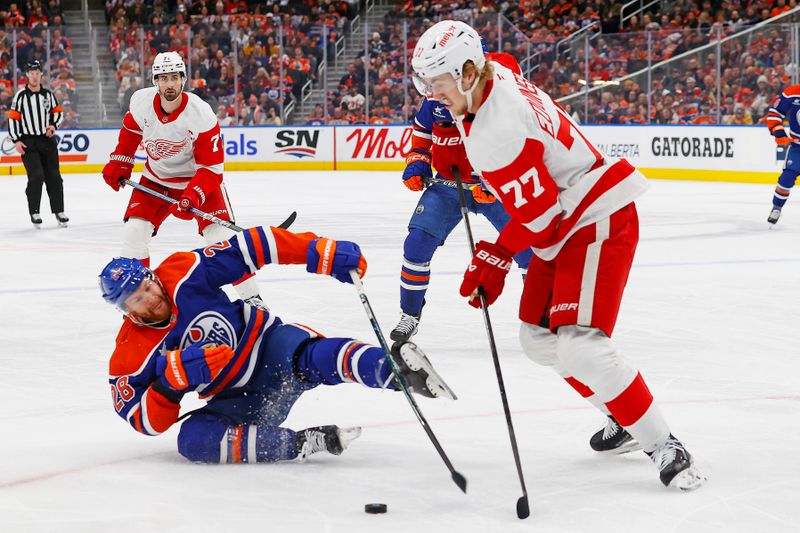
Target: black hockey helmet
<point x="33" y="64"/>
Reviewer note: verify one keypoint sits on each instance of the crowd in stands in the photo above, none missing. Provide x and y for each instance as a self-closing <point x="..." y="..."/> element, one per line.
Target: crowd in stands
<point x="26" y="28"/>
<point x="232" y="48"/>
<point x="251" y="58"/>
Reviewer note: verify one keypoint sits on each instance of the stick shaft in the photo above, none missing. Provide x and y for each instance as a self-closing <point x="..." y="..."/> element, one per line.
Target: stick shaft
<point x="495" y="357"/>
<point x="457" y="477"/>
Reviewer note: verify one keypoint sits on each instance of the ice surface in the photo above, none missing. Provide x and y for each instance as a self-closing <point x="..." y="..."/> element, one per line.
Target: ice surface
<point x="710" y="317"/>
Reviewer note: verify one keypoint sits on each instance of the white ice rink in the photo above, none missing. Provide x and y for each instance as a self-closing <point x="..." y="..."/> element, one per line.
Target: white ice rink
<point x="710" y="317"/>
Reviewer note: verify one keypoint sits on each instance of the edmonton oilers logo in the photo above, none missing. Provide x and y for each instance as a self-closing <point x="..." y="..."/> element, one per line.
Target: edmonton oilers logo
<point x="209" y="327"/>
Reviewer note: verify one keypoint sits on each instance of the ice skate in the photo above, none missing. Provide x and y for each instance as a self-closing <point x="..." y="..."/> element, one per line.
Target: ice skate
<point x="256" y="301"/>
<point x="418" y="373"/>
<point x="62" y="219"/>
<point x="676" y="466"/>
<point x="613" y="439"/>
<point x="774" y="215"/>
<point x="36" y="220"/>
<point x="406" y="328"/>
<point x="331" y="439"/>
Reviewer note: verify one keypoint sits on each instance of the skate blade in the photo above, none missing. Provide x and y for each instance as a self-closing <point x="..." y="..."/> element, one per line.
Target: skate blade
<point x="630" y="446"/>
<point x="62" y="224"/>
<point x="434" y="381"/>
<point x="348" y="435"/>
<point x="688" y="480"/>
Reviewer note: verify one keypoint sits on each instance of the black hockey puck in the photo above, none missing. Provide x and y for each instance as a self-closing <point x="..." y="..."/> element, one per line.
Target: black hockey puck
<point x="375" y="508"/>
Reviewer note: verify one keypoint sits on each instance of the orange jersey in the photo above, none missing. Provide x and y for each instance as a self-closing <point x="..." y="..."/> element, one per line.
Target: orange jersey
<point x="201" y="313"/>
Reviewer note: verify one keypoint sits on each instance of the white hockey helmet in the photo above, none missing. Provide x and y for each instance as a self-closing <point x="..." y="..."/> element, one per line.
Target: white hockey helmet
<point x="167" y="62"/>
<point x="444" y="48"/>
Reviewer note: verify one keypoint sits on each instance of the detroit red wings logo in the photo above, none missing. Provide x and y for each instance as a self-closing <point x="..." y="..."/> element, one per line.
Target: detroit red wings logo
<point x="163" y="148"/>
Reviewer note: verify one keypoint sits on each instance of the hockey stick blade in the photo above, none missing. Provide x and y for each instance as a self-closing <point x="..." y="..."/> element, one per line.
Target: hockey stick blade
<point x="523" y="510"/>
<point x="289" y="221"/>
<point x="460" y="480"/>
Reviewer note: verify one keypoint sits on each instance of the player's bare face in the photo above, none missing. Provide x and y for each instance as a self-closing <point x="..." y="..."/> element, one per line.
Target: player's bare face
<point x="169" y="86"/>
<point x="444" y="89"/>
<point x="149" y="302"/>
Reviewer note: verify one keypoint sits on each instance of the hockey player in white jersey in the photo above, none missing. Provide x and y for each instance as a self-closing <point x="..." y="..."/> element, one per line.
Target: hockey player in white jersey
<point x="575" y="208"/>
<point x="185" y="157"/>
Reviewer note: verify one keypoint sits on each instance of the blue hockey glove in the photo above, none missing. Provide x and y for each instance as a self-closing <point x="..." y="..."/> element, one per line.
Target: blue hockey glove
<point x="418" y="167"/>
<point x="335" y="258"/>
<point x="193" y="366"/>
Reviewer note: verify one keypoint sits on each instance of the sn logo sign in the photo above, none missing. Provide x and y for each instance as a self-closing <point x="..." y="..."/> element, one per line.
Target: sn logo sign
<point x="297" y="143"/>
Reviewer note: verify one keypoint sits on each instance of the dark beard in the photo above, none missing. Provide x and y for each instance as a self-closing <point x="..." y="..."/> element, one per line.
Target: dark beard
<point x="168" y="99"/>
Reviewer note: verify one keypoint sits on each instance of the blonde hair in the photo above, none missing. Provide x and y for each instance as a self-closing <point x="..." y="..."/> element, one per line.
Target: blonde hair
<point x="483" y="74"/>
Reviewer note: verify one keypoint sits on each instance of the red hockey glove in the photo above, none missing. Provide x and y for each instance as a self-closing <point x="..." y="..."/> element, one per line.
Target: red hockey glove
<point x="335" y="258"/>
<point x="118" y="168"/>
<point x="418" y="167"/>
<point x="198" y="189"/>
<point x="488" y="269"/>
<point x="189" y="198"/>
<point x="193" y="366"/>
<point x="448" y="151"/>
<point x="481" y="195"/>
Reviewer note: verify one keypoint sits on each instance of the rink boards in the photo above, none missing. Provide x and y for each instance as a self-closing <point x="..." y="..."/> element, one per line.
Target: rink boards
<point x="744" y="154"/>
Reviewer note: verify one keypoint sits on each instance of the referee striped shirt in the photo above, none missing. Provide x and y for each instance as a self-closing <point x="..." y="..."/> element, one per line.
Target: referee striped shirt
<point x="31" y="113"/>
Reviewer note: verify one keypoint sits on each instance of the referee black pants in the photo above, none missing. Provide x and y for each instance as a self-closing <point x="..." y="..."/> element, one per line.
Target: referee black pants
<point x="41" y="163"/>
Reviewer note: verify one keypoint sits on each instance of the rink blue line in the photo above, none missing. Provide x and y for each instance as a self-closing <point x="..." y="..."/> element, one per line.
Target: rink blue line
<point x="452" y="273"/>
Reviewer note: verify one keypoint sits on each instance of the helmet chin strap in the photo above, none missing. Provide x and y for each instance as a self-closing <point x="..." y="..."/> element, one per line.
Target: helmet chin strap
<point x="468" y="92"/>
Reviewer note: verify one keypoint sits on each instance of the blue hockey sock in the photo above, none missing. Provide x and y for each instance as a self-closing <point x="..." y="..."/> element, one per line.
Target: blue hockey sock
<point x="780" y="197"/>
<point x="415" y="274"/>
<point x="208" y="438"/>
<point x="786" y="181"/>
<point x="334" y="361"/>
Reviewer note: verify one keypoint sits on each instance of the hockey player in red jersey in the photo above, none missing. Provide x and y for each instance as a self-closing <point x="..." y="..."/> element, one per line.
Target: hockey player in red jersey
<point x="182" y="334"/>
<point x="185" y="157"/>
<point x="575" y="208"/>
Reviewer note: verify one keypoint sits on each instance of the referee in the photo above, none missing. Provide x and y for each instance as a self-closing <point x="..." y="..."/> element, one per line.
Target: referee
<point x="32" y="121"/>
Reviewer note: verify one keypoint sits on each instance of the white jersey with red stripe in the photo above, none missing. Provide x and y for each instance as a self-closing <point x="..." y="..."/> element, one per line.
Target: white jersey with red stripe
<point x="549" y="177"/>
<point x="177" y="144"/>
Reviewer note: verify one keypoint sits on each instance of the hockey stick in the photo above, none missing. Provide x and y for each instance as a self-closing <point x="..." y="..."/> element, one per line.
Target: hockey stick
<point x="459" y="479"/>
<point x="433" y="180"/>
<point x="523" y="509"/>
<point x="202" y="214"/>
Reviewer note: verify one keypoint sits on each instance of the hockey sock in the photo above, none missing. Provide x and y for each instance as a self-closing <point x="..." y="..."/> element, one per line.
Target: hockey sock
<point x="636" y="411"/>
<point x="786" y="181"/>
<point x="415" y="274"/>
<point x="207" y="438"/>
<point x="780" y="197"/>
<point x="334" y="361"/>
<point x="586" y="393"/>
<point x="590" y="356"/>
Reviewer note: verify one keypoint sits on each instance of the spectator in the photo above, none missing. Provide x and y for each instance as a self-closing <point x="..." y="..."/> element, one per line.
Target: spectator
<point x="224" y="118"/>
<point x="338" y="118"/>
<point x="741" y="116"/>
<point x="354" y="101"/>
<point x="272" y="118"/>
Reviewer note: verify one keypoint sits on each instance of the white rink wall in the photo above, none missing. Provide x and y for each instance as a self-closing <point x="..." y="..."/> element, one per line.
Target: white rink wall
<point x="712" y="153"/>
